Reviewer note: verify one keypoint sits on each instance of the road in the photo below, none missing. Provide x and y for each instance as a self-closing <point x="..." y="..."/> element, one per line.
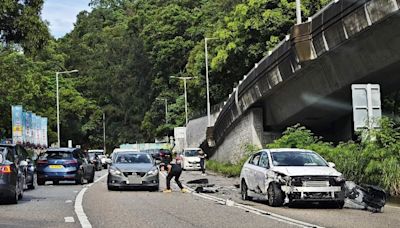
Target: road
<point x="55" y="206"/>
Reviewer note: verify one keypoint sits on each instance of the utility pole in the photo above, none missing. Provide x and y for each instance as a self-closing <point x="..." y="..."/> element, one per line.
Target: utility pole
<point x="104" y="132"/>
<point x="298" y="11"/>
<point x="58" y="104"/>
<point x="207" y="81"/>
<point x="184" y="85"/>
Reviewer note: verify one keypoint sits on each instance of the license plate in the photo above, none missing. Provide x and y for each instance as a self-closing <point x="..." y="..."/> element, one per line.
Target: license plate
<point x="56" y="166"/>
<point x="133" y="179"/>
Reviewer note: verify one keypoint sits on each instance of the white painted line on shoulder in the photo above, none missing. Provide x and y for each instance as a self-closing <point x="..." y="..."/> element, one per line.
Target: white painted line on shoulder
<point x="69" y="219"/>
<point x="253" y="210"/>
<point x="80" y="213"/>
<point x="68" y="201"/>
<point x="75" y="191"/>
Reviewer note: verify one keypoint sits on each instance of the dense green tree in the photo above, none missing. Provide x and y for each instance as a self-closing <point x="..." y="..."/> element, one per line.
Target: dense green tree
<point x="20" y="23"/>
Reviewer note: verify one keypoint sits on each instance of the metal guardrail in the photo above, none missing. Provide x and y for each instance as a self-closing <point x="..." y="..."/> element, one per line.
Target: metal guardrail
<point x="329" y="28"/>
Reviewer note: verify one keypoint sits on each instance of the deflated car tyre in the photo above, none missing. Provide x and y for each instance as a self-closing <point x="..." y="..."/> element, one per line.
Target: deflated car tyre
<point x="275" y="195"/>
<point x="243" y="191"/>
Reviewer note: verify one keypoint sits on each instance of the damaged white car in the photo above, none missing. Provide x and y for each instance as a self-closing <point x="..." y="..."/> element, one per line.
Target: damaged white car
<point x="283" y="176"/>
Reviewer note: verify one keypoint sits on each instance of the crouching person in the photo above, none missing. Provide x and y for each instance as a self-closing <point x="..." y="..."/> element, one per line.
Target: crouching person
<point x="174" y="170"/>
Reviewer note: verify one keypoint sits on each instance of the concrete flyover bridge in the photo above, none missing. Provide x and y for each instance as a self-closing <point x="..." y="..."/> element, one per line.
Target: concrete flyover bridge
<point x="307" y="78"/>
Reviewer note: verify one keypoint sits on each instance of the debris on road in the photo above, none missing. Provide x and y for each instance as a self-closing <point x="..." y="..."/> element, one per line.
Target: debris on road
<point x="364" y="197"/>
<point x="202" y="186"/>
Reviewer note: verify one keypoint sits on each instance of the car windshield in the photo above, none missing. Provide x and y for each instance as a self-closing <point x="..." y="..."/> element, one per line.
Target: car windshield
<point x="191" y="153"/>
<point x="92" y="155"/>
<point x="132" y="158"/>
<point x="57" y="155"/>
<point x="297" y="159"/>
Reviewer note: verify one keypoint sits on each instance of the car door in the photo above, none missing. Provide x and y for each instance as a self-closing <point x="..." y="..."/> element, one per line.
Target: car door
<point x="262" y="172"/>
<point x="250" y="171"/>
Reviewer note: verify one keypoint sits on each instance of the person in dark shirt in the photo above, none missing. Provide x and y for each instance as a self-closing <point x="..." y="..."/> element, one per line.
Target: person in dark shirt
<point x="202" y="157"/>
<point x="174" y="170"/>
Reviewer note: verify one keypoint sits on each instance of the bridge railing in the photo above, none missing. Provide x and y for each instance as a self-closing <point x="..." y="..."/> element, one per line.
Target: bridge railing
<point x="338" y="22"/>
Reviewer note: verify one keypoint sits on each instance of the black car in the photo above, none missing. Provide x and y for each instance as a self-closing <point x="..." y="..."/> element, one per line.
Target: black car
<point x="12" y="177"/>
<point x="95" y="160"/>
<point x="60" y="164"/>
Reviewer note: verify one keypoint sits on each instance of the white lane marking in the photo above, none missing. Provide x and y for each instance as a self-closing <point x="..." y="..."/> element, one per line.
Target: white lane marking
<point x="75" y="191"/>
<point x="69" y="219"/>
<point x="250" y="209"/>
<point x="68" y="201"/>
<point x="80" y="213"/>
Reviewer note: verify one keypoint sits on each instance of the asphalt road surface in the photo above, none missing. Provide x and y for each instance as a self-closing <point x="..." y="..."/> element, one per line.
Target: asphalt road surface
<point x="59" y="206"/>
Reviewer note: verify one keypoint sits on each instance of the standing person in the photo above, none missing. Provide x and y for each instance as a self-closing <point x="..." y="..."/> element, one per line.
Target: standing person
<point x="174" y="170"/>
<point x="202" y="157"/>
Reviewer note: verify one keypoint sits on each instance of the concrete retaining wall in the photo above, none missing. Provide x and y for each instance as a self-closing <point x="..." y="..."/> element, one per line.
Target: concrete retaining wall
<point x="247" y="130"/>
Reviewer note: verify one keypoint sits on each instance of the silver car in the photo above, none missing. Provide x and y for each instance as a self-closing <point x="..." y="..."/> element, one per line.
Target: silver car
<point x="133" y="170"/>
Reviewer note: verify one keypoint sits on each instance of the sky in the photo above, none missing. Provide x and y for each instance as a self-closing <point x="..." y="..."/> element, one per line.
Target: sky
<point x="61" y="14"/>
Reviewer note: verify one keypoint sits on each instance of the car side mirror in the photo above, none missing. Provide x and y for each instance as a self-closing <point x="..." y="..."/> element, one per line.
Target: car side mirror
<point x="331" y="164"/>
<point x="23" y="163"/>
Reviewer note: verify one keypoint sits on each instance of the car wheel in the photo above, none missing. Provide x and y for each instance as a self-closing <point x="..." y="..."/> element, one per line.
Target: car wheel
<point x="56" y="182"/>
<point x="41" y="182"/>
<point x="34" y="180"/>
<point x="110" y="188"/>
<point x="14" y="199"/>
<point x="275" y="195"/>
<point x="79" y="177"/>
<point x="340" y="204"/>
<point x="243" y="191"/>
<point x="91" y="178"/>
<point x="155" y="189"/>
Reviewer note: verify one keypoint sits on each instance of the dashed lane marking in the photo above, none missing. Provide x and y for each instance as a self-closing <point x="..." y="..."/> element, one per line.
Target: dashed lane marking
<point x="69" y="219"/>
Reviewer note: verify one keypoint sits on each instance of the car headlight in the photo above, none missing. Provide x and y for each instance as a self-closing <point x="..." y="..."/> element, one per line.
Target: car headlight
<point x="153" y="172"/>
<point x="340" y="179"/>
<point x="114" y="171"/>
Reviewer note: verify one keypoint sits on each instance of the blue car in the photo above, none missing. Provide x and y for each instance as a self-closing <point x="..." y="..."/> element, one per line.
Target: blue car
<point x="59" y="164"/>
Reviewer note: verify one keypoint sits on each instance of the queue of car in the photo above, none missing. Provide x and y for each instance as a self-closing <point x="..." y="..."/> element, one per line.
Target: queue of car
<point x="20" y="169"/>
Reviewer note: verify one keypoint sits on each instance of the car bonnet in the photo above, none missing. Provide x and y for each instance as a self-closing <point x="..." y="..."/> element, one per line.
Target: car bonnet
<point x="134" y="167"/>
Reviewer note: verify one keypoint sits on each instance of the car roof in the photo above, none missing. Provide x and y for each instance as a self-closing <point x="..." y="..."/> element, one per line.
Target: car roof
<point x="63" y="149"/>
<point x="287" y="150"/>
<point x="95" y="151"/>
<point x="192" y="148"/>
<point x="125" y="150"/>
<point x="130" y="152"/>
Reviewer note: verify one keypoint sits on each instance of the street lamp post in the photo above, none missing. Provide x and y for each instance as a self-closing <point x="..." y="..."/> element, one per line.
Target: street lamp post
<point x="104" y="132"/>
<point x="166" y="108"/>
<point x="58" y="103"/>
<point x="298" y="11"/>
<point x="184" y="84"/>
<point x="207" y="81"/>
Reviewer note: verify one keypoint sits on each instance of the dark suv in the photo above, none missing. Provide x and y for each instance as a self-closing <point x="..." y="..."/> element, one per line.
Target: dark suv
<point x="59" y="164"/>
<point x="12" y="174"/>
